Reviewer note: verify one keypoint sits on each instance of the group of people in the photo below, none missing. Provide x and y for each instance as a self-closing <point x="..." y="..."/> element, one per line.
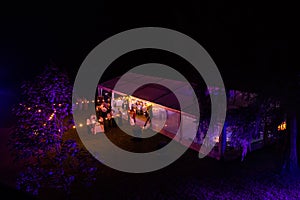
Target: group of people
<point x="108" y="117"/>
<point x="133" y="112"/>
<point x="104" y="118"/>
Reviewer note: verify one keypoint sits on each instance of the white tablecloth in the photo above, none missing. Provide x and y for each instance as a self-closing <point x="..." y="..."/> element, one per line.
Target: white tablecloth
<point x="98" y="128"/>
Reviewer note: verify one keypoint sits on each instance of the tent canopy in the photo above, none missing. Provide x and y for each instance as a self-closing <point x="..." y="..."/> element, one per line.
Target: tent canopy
<point x="155" y="90"/>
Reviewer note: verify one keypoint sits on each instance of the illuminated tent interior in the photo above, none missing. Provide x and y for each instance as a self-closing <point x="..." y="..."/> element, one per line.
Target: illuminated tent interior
<point x="167" y="112"/>
<point x="165" y="106"/>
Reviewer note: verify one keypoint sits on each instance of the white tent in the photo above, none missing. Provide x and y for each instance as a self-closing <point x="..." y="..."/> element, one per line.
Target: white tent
<point x="166" y="109"/>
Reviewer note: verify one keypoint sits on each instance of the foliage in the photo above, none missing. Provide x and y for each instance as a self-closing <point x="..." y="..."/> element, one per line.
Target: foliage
<point x="44" y="115"/>
<point x="256" y="116"/>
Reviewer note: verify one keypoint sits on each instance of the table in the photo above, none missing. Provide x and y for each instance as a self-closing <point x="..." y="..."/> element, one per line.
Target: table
<point x="98" y="128"/>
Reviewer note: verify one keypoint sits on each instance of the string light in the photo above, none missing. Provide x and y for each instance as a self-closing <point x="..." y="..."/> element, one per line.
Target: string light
<point x="51" y="116"/>
<point x="74" y="127"/>
<point x="80" y="125"/>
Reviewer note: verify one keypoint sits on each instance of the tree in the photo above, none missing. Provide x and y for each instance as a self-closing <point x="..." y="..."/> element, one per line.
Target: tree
<point x="251" y="116"/>
<point x="290" y="98"/>
<point x="43" y="117"/>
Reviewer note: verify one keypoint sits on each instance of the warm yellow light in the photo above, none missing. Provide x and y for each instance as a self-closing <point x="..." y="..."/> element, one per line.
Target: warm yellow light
<point x="59" y="105"/>
<point x="77" y="103"/>
<point x="80" y="125"/>
<point x="82" y="102"/>
<point x="282" y="126"/>
<point x="74" y="126"/>
<point x="28" y="108"/>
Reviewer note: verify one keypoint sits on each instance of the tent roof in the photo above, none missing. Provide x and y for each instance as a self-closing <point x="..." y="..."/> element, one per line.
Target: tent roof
<point x="156" y="91"/>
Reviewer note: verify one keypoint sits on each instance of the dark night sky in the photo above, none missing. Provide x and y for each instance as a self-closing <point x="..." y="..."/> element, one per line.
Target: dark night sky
<point x="248" y="41"/>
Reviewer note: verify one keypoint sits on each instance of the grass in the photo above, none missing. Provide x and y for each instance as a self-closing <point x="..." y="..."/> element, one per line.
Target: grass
<point x="258" y="177"/>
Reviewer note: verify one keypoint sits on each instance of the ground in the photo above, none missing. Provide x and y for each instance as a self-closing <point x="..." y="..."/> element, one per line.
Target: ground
<point x="258" y="177"/>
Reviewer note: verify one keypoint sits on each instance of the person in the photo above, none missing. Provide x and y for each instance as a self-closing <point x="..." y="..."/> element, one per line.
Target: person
<point x="148" y="115"/>
<point x="148" y="119"/>
<point x="139" y="109"/>
<point x="109" y="122"/>
<point x="93" y="119"/>
<point x="103" y="110"/>
<point x="132" y="115"/>
<point x="108" y="107"/>
<point x="98" y="111"/>
<point x="144" y="108"/>
<point x="120" y="121"/>
<point x="246" y="145"/>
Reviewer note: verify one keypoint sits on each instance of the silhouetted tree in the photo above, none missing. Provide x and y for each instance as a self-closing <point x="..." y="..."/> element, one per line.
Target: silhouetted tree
<point x="290" y="98"/>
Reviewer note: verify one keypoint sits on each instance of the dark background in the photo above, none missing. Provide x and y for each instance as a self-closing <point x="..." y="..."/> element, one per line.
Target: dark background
<point x="249" y="42"/>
